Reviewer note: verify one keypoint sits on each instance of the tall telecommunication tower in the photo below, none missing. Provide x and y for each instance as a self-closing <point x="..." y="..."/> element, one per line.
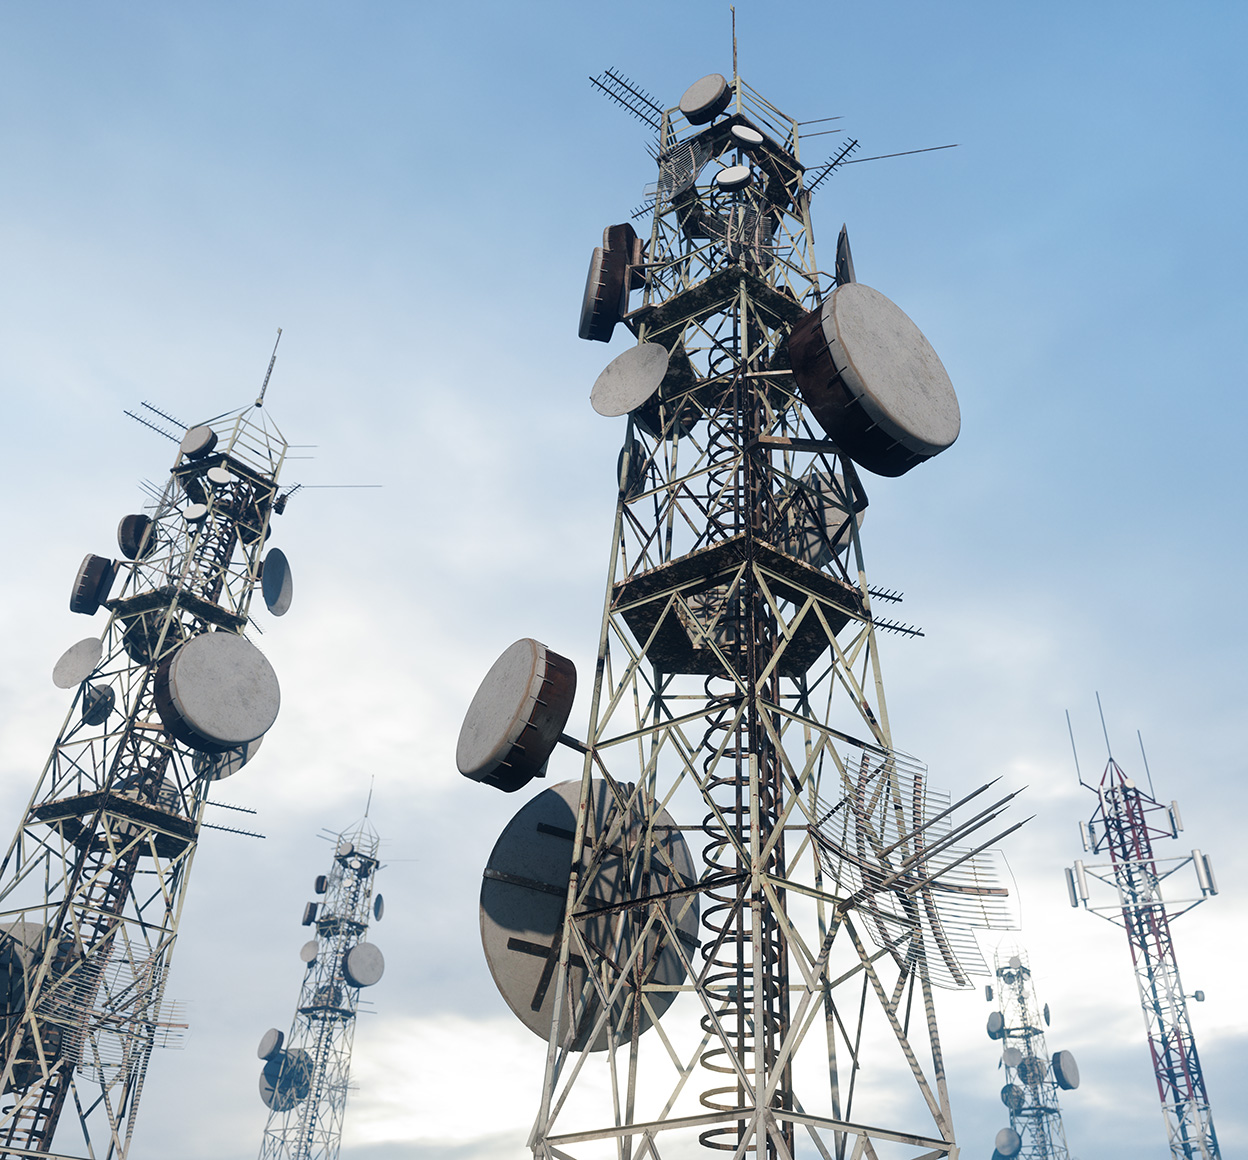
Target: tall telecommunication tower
<point x="305" y="1075"/>
<point x="1124" y="825"/>
<point x="169" y="698"/>
<point x="737" y="687"/>
<point x="1032" y="1078"/>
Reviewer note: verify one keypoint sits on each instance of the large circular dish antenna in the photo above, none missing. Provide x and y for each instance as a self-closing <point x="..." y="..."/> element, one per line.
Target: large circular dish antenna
<point x="95" y="577"/>
<point x="136" y="537"/>
<point x="818" y="522"/>
<point x="733" y="177"/>
<point x="746" y="136"/>
<point x="1065" y="1071"/>
<point x="276" y="582"/>
<point x="629" y="380"/>
<point x="1008" y="1143"/>
<point x="198" y="442"/>
<point x="1011" y="1057"/>
<point x="514" y="722"/>
<point x="286" y="1079"/>
<point x="705" y="99"/>
<point x="522" y="904"/>
<point x="996" y="1025"/>
<point x="270" y="1044"/>
<point x="873" y="381"/>
<point x="606" y="294"/>
<point x="363" y="965"/>
<point x="1013" y="1096"/>
<point x="77" y="663"/>
<point x="217" y="692"/>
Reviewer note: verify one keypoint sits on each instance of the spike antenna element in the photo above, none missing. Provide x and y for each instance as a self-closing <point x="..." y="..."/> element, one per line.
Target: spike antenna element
<point x="272" y="359"/>
<point x="1124" y="825"/>
<point x="1032" y="1077"/>
<point x="307" y="1071"/>
<point x="93" y="884"/>
<point x="738" y="701"/>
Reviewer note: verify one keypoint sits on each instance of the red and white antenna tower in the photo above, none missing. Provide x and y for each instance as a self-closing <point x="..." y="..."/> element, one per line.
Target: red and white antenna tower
<point x="1124" y="825"/>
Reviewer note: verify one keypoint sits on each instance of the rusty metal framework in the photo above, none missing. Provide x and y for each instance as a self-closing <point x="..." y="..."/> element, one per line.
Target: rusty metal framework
<point x="739" y="688"/>
<point x="1124" y="825"/>
<point x="308" y="1096"/>
<point x="93" y="883"/>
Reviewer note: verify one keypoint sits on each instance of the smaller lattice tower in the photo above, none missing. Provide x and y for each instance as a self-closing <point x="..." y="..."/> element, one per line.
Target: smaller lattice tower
<point x="306" y="1073"/>
<point x="1146" y="894"/>
<point x="1032" y="1077"/>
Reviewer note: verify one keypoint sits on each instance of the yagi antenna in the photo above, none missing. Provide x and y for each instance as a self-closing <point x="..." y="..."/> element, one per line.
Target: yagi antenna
<point x="623" y="92"/>
<point x="825" y="171"/>
<point x="153" y="427"/>
<point x="163" y="415"/>
<point x="265" y="385"/>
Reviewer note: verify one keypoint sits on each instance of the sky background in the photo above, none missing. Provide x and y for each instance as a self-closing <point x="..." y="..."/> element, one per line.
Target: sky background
<point x="412" y="192"/>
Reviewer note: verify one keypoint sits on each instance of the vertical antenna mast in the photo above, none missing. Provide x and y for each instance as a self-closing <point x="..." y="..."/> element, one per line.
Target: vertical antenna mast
<point x="265" y="386"/>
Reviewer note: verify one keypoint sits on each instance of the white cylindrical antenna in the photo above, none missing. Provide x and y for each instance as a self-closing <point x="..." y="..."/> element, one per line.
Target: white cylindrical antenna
<point x="1208" y="867"/>
<point x="1082" y="880"/>
<point x="1085" y="836"/>
<point x="265" y="385"/>
<point x="1070" y="887"/>
<point x="1176" y="818"/>
<point x="1202" y="878"/>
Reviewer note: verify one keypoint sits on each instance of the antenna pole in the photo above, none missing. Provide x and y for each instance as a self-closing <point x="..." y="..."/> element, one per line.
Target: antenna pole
<point x="265" y="386"/>
<point x="1148" y="772"/>
<point x="1104" y="730"/>
<point x="1078" y="772"/>
<point x="733" y="10"/>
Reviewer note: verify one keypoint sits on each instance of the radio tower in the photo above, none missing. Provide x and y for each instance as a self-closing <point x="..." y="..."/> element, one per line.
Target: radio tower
<point x="1032" y="1078"/>
<point x="1124" y="825"/>
<point x="168" y="698"/>
<point x="305" y="1076"/>
<point x="737" y="704"/>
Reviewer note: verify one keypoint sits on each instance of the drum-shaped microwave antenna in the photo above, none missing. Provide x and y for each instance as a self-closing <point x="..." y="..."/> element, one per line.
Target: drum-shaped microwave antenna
<point x="1008" y="1143"/>
<point x="136" y="537"/>
<point x="514" y="722"/>
<point x="218" y="766"/>
<point x="95" y="577"/>
<point x="286" y="1079"/>
<point x="873" y="381"/>
<point x="1013" y="1096"/>
<point x="705" y="99"/>
<point x="746" y="136"/>
<point x="276" y="582"/>
<point x="996" y="1025"/>
<point x="522" y="899"/>
<point x="1065" y="1070"/>
<point x="733" y="177"/>
<point x="198" y="442"/>
<point x="363" y="965"/>
<point x="628" y="380"/>
<point x="270" y="1043"/>
<point x="217" y="692"/>
<point x="606" y="294"/>
<point x="77" y="663"/>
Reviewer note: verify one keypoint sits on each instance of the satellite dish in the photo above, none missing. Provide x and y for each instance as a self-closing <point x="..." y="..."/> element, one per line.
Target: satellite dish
<point x="1032" y="1071"/>
<point x="733" y="177"/>
<point x="309" y="951"/>
<point x="286" y="1079"/>
<point x="77" y="663"/>
<point x="217" y="692"/>
<point x="1008" y="1143"/>
<point x="873" y="381"/>
<point x="219" y="766"/>
<point x="522" y="902"/>
<point x="1065" y="1071"/>
<point x="270" y="1043"/>
<point x="1013" y="1096"/>
<point x="705" y="99"/>
<point x="746" y="136"/>
<point x="1015" y="962"/>
<point x="606" y="294"/>
<point x="1046" y="1014"/>
<point x="629" y="380"/>
<point x="95" y="577"/>
<point x="379" y="908"/>
<point x="276" y="582"/>
<point x="195" y="513"/>
<point x="218" y="475"/>
<point x="97" y="703"/>
<point x="136" y="537"/>
<point x="1011" y="1057"/>
<point x="817" y="537"/>
<point x="844" y="259"/>
<point x="198" y="442"/>
<point x="363" y="965"/>
<point x="514" y="722"/>
<point x="996" y="1025"/>
<point x="345" y="849"/>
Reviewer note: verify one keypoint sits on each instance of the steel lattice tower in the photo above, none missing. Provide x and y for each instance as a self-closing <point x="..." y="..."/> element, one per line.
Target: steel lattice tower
<point x="1125" y="825"/>
<point x="1032" y="1078"/>
<point x="306" y="1074"/>
<point x="738" y="684"/>
<point x="93" y="884"/>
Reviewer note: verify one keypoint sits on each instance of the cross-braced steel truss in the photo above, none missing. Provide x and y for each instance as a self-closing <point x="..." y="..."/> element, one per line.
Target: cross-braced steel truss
<point x="307" y="1109"/>
<point x="93" y="883"/>
<point x="1125" y="824"/>
<point x="739" y="688"/>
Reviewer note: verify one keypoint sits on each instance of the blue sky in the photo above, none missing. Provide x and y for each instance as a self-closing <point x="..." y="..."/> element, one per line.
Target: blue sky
<point x="412" y="193"/>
